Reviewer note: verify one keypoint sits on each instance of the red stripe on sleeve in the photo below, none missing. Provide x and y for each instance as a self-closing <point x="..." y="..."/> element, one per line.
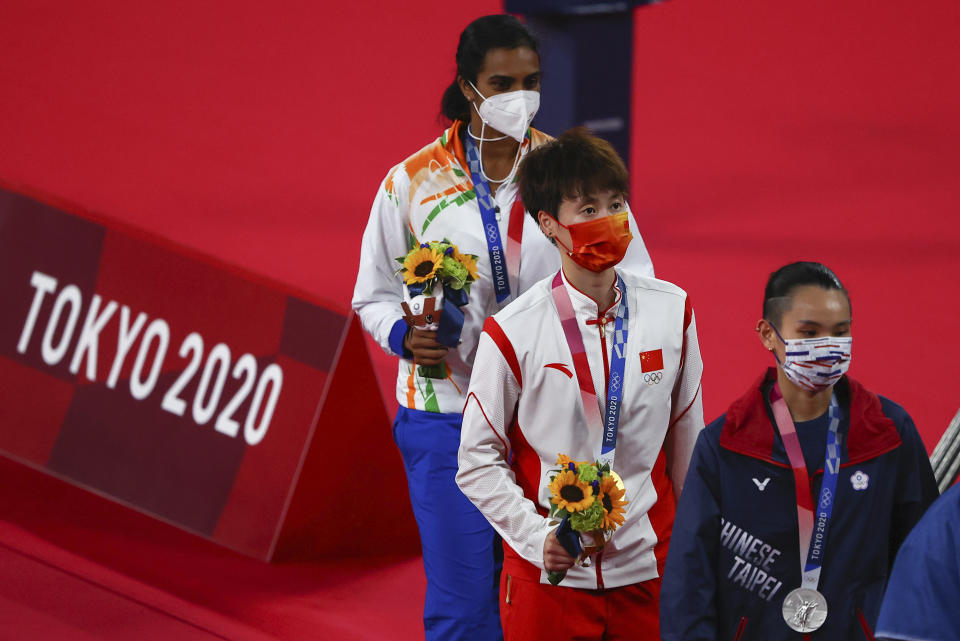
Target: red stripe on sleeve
<point x="662" y="513"/>
<point x="526" y="466"/>
<point x="695" y="395"/>
<point x="492" y="328"/>
<point x="482" y="411"/>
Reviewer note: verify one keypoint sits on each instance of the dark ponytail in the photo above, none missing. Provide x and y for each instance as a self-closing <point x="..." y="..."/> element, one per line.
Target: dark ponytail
<point x="453" y="104"/>
<point x="780" y="286"/>
<point x="499" y="31"/>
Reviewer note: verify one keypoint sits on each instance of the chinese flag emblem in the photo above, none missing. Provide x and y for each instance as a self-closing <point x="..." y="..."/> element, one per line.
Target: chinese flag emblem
<point x="651" y="361"/>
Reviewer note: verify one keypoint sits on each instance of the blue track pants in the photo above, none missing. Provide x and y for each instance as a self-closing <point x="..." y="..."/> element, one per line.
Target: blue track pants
<point x="458" y="543"/>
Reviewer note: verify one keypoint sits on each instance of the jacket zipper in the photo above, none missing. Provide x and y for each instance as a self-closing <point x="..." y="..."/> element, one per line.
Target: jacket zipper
<point x="603" y="350"/>
<point x="741" y="628"/>
<point x="867" y="632"/>
<point x="599" y="570"/>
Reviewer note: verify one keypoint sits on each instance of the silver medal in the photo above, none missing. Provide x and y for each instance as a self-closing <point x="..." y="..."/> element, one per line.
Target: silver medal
<point x="804" y="610"/>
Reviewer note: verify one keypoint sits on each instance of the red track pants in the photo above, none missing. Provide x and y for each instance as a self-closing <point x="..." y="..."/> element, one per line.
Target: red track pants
<point x="530" y="611"/>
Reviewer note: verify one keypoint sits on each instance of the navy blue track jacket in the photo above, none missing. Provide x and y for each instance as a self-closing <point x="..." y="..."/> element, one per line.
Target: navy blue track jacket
<point x="734" y="554"/>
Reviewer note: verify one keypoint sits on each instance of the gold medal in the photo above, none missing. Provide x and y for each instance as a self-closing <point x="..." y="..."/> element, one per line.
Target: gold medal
<point x="619" y="481"/>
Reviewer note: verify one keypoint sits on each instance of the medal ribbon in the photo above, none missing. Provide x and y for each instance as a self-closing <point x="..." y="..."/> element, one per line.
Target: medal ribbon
<point x="503" y="264"/>
<point x="609" y="423"/>
<point x="514" y="240"/>
<point x="813" y="521"/>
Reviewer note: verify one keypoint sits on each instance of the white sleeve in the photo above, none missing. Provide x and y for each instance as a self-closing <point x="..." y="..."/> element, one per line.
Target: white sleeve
<point x="378" y="291"/>
<point x="484" y="475"/>
<point x="637" y="259"/>
<point x="686" y="417"/>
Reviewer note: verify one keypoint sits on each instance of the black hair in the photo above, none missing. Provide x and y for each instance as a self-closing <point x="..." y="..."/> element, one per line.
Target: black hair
<point x="499" y="31"/>
<point x="574" y="165"/>
<point x="782" y="283"/>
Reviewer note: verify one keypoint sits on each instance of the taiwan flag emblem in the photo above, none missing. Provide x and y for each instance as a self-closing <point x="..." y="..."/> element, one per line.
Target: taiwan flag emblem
<point x="651" y="361"/>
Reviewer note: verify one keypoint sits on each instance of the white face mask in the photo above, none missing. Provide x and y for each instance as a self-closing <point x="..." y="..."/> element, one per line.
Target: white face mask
<point x="509" y="113"/>
<point x="815" y="364"/>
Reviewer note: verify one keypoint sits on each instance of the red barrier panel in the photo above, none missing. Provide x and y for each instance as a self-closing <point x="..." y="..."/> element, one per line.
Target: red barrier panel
<point x="212" y="399"/>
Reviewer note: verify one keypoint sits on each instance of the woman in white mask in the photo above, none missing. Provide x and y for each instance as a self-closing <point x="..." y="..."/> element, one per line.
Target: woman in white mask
<point x="797" y="499"/>
<point x="460" y="187"/>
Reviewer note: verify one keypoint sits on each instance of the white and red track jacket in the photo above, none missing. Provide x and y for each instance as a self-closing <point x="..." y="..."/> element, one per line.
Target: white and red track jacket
<point x="524" y="408"/>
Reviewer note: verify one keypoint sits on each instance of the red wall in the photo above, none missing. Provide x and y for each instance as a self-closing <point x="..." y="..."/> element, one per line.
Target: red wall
<point x="766" y="132"/>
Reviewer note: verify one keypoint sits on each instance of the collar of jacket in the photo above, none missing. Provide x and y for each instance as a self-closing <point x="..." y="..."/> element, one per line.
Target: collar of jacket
<point x="451" y="142"/>
<point x="749" y="428"/>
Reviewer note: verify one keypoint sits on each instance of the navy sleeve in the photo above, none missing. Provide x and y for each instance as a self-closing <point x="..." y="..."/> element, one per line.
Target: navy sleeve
<point x="688" y="590"/>
<point x="924" y="588"/>
<point x="397" y="333"/>
<point x="916" y="485"/>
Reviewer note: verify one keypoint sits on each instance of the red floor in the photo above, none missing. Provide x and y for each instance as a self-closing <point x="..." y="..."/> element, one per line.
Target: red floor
<point x="765" y="132"/>
<point x="76" y="566"/>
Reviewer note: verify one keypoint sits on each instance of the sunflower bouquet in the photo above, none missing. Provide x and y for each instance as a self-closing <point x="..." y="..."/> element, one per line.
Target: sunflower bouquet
<point x="437" y="278"/>
<point x="587" y="499"/>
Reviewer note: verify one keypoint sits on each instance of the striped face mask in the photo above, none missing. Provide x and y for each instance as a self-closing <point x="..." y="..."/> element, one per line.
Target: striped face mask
<point x="814" y="364"/>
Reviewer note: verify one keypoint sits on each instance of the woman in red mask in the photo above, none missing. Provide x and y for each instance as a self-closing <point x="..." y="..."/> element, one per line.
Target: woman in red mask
<point x="460" y="187"/>
<point x="600" y="364"/>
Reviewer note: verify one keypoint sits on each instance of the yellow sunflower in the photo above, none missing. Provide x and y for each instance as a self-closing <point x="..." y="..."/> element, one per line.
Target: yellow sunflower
<point x="468" y="261"/>
<point x="569" y="493"/>
<point x="421" y="265"/>
<point x="611" y="497"/>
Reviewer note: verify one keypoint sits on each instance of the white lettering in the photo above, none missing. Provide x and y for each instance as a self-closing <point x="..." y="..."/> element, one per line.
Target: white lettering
<point x="775" y="590"/>
<point x="769" y="583"/>
<point x="218" y="358"/>
<point x="750" y="553"/>
<point x="743" y="577"/>
<point x="53" y="354"/>
<point x="89" y="335"/>
<point x="728" y="533"/>
<point x="246" y="367"/>
<point x="253" y="431"/>
<point x="139" y="388"/>
<point x="611" y="418"/>
<point x="737" y="562"/>
<point x="743" y="544"/>
<point x="771" y="559"/>
<point x="44" y="285"/>
<point x="125" y="339"/>
<point x="758" y="579"/>
<point x="154" y="340"/>
<point x="765" y="556"/>
<point x="171" y="400"/>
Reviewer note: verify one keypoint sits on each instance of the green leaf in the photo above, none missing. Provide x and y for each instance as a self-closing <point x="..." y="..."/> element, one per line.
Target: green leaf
<point x="556" y="577"/>
<point x="588" y="519"/>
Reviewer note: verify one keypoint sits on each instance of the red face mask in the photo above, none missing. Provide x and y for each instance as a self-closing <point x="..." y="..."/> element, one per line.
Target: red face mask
<point x="599" y="244"/>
